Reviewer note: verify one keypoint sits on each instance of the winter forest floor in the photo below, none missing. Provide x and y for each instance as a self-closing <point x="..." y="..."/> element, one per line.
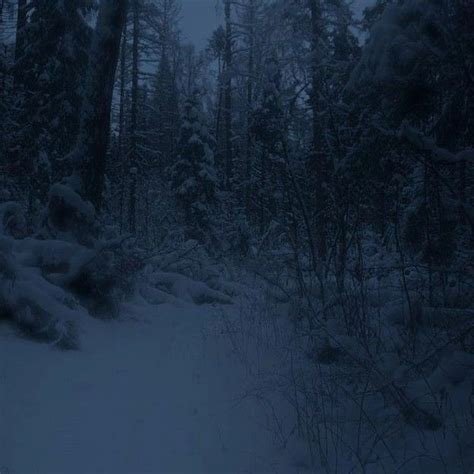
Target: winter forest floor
<point x="158" y="390"/>
<point x="252" y="257"/>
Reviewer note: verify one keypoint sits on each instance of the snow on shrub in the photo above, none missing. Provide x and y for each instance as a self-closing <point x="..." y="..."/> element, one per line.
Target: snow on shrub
<point x="37" y="307"/>
<point x="50" y="281"/>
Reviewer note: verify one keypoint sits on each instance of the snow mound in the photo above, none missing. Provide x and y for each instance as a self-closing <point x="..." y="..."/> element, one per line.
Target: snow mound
<point x="167" y="287"/>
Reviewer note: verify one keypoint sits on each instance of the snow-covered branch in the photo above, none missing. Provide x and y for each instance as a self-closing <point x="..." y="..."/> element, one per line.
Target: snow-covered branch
<point x="422" y="142"/>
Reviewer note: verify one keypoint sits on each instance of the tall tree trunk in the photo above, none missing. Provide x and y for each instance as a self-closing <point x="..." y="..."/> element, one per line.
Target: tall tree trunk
<point x="219" y="147"/>
<point x="2" y="43"/>
<point x="134" y="122"/>
<point x="21" y="20"/>
<point x="250" y="79"/>
<point x="318" y="158"/>
<point x="228" y="96"/>
<point x="121" y="137"/>
<point x="92" y="142"/>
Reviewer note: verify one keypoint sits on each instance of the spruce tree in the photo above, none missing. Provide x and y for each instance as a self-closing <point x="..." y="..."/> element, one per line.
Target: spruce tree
<point x="50" y="61"/>
<point x="194" y="179"/>
<point x="269" y="131"/>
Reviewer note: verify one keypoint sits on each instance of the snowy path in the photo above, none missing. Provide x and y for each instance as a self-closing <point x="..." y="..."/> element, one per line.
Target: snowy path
<point x="157" y="394"/>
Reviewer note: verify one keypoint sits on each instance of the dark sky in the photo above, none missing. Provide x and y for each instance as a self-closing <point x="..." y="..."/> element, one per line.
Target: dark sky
<point x="201" y="17"/>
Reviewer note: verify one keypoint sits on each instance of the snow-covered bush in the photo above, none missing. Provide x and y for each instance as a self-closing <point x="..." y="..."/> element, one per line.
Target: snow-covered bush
<point x="39" y="308"/>
<point x="64" y="272"/>
<point x="68" y="216"/>
<point x="185" y="272"/>
<point x="378" y="377"/>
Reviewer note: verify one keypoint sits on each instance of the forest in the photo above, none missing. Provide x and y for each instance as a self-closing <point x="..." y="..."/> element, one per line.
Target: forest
<point x="254" y="256"/>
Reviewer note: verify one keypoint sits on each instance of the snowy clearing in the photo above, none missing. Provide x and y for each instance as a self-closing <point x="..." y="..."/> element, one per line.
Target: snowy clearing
<point x="157" y="391"/>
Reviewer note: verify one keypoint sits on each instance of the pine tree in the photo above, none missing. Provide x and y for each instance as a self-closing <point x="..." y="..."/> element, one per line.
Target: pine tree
<point x="165" y="103"/>
<point x="269" y="131"/>
<point x="165" y="94"/>
<point x="51" y="56"/>
<point x="228" y="61"/>
<point x="194" y="179"/>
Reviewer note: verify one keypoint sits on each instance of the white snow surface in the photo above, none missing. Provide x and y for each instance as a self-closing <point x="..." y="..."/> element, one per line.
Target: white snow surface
<point x="157" y="391"/>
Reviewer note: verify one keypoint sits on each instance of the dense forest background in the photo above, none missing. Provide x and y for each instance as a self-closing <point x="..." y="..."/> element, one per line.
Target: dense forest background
<point x="317" y="162"/>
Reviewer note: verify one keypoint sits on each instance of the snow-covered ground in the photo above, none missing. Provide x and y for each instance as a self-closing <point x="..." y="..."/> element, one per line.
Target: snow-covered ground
<point x="157" y="391"/>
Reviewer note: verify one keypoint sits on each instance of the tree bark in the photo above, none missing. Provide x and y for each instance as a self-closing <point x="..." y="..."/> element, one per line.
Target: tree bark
<point x="134" y="122"/>
<point x="250" y="79"/>
<point x="92" y="142"/>
<point x="228" y="96"/>
<point x="121" y="137"/>
<point x="21" y="20"/>
<point x="318" y="158"/>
